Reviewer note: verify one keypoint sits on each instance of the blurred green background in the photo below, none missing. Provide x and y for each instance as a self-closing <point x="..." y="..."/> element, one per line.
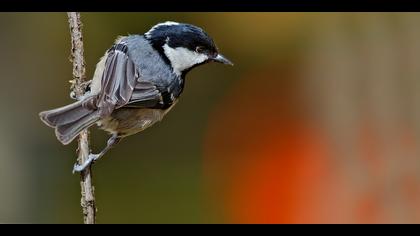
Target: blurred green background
<point x="236" y="148"/>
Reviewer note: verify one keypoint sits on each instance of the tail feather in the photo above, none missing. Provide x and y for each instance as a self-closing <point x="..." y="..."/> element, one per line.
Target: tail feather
<point x="67" y="132"/>
<point x="64" y="115"/>
<point x="69" y="120"/>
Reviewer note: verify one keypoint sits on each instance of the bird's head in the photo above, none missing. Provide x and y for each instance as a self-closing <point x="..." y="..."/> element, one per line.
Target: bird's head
<point x="184" y="46"/>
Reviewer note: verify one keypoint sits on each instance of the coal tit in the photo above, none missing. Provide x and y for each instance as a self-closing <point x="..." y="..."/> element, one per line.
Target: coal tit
<point x="136" y="82"/>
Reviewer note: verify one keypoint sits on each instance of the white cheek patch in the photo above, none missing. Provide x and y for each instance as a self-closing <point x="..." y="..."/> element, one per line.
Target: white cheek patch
<point x="182" y="58"/>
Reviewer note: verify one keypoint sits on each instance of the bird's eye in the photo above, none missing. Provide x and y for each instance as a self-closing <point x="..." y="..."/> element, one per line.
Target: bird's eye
<point x="199" y="49"/>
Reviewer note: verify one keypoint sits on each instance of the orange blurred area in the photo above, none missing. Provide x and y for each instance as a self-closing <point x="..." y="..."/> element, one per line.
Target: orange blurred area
<point x="276" y="164"/>
<point x="266" y="162"/>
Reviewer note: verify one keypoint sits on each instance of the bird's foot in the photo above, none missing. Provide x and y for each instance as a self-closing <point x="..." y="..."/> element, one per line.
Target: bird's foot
<point x="86" y="85"/>
<point x="91" y="159"/>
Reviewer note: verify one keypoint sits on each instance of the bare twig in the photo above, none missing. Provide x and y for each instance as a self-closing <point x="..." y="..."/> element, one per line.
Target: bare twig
<point x="77" y="87"/>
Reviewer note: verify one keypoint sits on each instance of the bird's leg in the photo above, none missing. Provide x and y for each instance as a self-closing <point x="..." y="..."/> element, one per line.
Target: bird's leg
<point x="94" y="157"/>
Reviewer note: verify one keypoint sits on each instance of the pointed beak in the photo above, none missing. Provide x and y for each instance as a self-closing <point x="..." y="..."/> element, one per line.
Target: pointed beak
<point x="221" y="59"/>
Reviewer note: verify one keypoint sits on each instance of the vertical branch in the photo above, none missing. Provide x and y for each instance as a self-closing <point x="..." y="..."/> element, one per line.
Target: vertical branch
<point x="77" y="87"/>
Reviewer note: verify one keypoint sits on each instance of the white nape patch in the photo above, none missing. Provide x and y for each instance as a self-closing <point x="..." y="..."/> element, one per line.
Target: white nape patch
<point x="167" y="23"/>
<point x="183" y="58"/>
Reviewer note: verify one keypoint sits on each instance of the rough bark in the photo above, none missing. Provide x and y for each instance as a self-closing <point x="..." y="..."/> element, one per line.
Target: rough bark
<point x="77" y="88"/>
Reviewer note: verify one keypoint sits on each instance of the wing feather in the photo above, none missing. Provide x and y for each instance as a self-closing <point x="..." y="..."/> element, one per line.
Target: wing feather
<point x="122" y="84"/>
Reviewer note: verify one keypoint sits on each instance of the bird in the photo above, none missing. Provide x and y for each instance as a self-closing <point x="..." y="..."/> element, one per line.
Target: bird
<point x="135" y="84"/>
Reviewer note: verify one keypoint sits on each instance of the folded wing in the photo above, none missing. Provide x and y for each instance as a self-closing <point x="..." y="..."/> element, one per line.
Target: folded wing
<point x="122" y="85"/>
